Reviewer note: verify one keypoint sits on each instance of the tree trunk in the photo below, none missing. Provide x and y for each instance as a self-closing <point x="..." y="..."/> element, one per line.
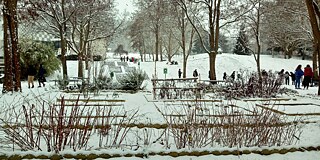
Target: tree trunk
<point x="11" y="54"/>
<point x="8" y="79"/>
<point x="312" y="10"/>
<point x="212" y="60"/>
<point x="170" y="48"/>
<point x="80" y="54"/>
<point x="160" y="48"/>
<point x="183" y="45"/>
<point x="63" y="53"/>
<point x="314" y="61"/>
<point x="62" y="30"/>
<point x="157" y="42"/>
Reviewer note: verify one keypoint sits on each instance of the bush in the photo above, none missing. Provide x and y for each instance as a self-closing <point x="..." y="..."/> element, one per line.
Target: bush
<point x="62" y="82"/>
<point x="102" y="81"/>
<point x="35" y="53"/>
<point x="248" y="85"/>
<point x="132" y="80"/>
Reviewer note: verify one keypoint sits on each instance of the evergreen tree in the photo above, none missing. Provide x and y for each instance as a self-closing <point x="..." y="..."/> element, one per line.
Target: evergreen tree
<point x="242" y="43"/>
<point x="36" y="53"/>
<point x="197" y="46"/>
<point x="223" y="43"/>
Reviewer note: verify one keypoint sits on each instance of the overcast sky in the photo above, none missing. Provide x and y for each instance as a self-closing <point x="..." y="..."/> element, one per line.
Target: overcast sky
<point x="124" y="5"/>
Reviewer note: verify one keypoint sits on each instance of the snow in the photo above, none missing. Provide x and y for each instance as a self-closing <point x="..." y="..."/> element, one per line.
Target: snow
<point x="148" y="113"/>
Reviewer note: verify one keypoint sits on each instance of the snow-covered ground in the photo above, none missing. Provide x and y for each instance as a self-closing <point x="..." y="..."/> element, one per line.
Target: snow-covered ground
<point x="148" y="112"/>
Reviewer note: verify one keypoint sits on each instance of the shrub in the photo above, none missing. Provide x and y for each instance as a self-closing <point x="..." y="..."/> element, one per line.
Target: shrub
<point x="248" y="85"/>
<point x="132" y="80"/>
<point x="35" y="53"/>
<point x="102" y="81"/>
<point x="62" y="82"/>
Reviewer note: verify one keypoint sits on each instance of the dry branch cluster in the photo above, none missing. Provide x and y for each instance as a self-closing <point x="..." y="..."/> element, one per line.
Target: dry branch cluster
<point x="63" y="126"/>
<point x="191" y="124"/>
<point x="249" y="85"/>
<point x="198" y="124"/>
<point x="185" y="88"/>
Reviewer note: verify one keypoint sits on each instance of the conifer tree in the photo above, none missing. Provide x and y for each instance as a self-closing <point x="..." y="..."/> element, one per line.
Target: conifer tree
<point x="242" y="43"/>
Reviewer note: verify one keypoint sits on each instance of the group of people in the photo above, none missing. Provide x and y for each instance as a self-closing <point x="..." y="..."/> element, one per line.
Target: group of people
<point x="124" y="58"/>
<point x="305" y="76"/>
<point x="32" y="72"/>
<point x="232" y="76"/>
<point x="298" y="77"/>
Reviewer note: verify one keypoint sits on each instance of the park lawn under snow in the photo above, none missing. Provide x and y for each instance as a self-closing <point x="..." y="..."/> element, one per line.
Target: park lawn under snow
<point x="149" y="114"/>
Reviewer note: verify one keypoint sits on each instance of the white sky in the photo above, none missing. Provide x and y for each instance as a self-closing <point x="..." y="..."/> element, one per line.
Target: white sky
<point x="125" y="5"/>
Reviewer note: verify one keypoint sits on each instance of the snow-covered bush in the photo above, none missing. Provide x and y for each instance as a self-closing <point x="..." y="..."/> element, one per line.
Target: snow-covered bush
<point x="36" y="53"/>
<point x="132" y="80"/>
<point x="102" y="81"/>
<point x="199" y="124"/>
<point x="42" y="126"/>
<point x="248" y="84"/>
<point x="62" y="82"/>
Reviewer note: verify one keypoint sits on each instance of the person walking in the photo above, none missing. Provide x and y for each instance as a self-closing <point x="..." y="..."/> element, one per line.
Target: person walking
<point x="286" y="77"/>
<point x="31" y="71"/>
<point x="298" y="74"/>
<point x="195" y="74"/>
<point x="224" y="76"/>
<point x="308" y="74"/>
<point x="280" y="77"/>
<point x="41" y="77"/>
<point x="179" y="73"/>
<point x="293" y="78"/>
<point x="233" y="75"/>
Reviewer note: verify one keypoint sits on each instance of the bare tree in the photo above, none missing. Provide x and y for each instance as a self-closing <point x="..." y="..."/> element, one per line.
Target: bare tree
<point x="184" y="27"/>
<point x="11" y="54"/>
<point x="154" y="11"/>
<point x="93" y="20"/>
<point x="169" y="41"/>
<point x="54" y="14"/>
<point x="314" y="14"/>
<point x="254" y="18"/>
<point x="141" y="37"/>
<point x="214" y="11"/>
<point x="295" y="34"/>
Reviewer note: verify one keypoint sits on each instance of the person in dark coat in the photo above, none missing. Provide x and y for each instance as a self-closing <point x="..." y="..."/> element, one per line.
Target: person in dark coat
<point x="280" y="77"/>
<point x="31" y="71"/>
<point x="224" y="76"/>
<point x="41" y="77"/>
<point x="293" y="78"/>
<point x="264" y="74"/>
<point x="286" y="77"/>
<point x="298" y="73"/>
<point x="281" y="73"/>
<point x="233" y="75"/>
<point x="195" y="73"/>
<point x="179" y="73"/>
<point x="308" y="74"/>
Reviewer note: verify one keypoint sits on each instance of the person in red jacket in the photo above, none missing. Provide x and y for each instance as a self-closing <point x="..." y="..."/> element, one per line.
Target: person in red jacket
<point x="308" y="74"/>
